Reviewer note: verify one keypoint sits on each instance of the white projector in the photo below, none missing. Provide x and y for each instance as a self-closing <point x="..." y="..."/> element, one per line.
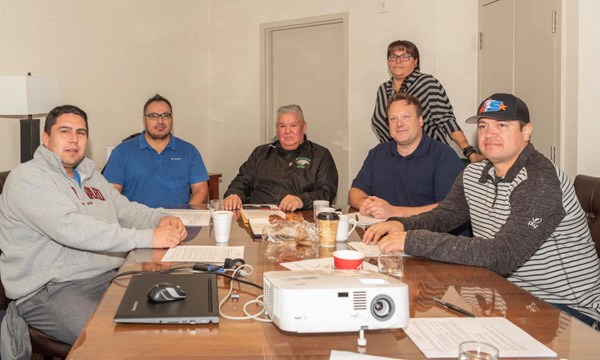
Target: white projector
<point x="334" y="300"/>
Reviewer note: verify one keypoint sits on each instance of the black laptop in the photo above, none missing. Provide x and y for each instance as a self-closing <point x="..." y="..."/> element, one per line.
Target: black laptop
<point x="200" y="306"/>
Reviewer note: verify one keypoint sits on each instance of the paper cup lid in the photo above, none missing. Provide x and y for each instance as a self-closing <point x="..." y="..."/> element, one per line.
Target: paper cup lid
<point x="328" y="216"/>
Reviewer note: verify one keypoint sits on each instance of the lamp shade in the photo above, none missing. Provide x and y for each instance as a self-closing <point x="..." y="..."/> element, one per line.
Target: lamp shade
<point x="28" y="95"/>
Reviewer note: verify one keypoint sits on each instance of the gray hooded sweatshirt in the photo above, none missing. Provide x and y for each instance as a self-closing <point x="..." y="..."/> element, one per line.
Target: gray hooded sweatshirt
<point x="54" y="230"/>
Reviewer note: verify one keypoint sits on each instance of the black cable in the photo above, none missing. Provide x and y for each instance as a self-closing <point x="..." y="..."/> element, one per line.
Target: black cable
<point x="241" y="281"/>
<point x="186" y="267"/>
<point x="227" y="276"/>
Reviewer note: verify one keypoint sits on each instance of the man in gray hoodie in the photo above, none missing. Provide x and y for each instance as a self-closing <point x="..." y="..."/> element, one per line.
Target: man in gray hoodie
<point x="63" y="229"/>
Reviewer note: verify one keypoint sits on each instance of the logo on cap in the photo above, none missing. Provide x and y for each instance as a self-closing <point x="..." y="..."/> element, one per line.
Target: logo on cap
<point x="501" y="106"/>
<point x="492" y="105"/>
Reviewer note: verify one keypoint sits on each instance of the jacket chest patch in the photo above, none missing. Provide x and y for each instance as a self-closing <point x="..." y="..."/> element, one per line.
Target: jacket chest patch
<point x="302" y="162"/>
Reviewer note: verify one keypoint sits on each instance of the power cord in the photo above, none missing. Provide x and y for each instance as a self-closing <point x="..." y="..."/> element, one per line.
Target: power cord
<point x="258" y="300"/>
<point x="230" y="265"/>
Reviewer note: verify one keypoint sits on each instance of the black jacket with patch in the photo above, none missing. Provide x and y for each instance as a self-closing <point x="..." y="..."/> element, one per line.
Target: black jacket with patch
<point x="271" y="173"/>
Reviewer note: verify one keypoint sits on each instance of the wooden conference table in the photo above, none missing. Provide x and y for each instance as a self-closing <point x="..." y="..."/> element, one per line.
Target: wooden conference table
<point x="478" y="290"/>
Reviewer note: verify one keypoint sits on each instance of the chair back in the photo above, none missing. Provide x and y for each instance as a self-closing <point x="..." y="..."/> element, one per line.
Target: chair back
<point x="3" y="176"/>
<point x="587" y="189"/>
<point x="4" y="301"/>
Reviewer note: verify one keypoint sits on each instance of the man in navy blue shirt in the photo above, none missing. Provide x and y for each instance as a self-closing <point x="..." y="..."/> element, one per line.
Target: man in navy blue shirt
<point x="158" y="169"/>
<point x="409" y="174"/>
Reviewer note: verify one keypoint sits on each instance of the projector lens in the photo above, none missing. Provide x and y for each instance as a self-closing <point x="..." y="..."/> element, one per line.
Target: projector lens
<point x="382" y="307"/>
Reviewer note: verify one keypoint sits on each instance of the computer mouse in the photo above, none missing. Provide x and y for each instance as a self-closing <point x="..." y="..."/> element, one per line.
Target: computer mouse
<point x="164" y="291"/>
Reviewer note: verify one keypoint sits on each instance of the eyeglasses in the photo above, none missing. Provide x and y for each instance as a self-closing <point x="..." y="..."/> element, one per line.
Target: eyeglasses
<point x="155" y="116"/>
<point x="401" y="57"/>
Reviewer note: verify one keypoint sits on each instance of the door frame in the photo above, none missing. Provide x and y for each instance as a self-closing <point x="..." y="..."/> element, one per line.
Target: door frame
<point x="267" y="117"/>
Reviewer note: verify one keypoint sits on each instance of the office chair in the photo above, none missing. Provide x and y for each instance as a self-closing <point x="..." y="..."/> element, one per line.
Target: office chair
<point x="587" y="189"/>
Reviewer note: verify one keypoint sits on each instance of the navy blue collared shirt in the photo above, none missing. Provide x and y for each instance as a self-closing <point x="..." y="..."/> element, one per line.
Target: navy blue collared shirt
<point x="421" y="178"/>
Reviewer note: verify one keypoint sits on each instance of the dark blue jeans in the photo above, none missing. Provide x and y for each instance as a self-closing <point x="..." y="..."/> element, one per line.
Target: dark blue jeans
<point x="595" y="324"/>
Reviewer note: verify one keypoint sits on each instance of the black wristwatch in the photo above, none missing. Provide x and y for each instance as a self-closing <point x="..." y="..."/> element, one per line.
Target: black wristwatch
<point x="468" y="151"/>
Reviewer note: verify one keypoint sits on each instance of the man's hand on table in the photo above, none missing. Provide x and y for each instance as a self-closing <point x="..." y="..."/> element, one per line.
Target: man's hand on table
<point x="290" y="203"/>
<point x="232" y="202"/>
<point x="175" y="222"/>
<point x="376" y="207"/>
<point x="389" y="235"/>
<point x="169" y="232"/>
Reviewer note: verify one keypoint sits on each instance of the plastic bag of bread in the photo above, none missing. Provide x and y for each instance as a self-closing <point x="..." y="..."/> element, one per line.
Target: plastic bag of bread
<point x="299" y="231"/>
<point x="290" y="239"/>
<point x="288" y="251"/>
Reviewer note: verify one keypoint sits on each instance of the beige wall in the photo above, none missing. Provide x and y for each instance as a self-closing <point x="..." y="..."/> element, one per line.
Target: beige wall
<point x="110" y="56"/>
<point x="444" y="32"/>
<point x="204" y="55"/>
<point x="587" y="119"/>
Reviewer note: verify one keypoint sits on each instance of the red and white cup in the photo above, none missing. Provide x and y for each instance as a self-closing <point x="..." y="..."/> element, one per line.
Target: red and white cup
<point x="348" y="260"/>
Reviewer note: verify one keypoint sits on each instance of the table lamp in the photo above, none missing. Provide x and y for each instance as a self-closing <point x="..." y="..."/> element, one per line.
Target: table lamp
<point x="22" y="95"/>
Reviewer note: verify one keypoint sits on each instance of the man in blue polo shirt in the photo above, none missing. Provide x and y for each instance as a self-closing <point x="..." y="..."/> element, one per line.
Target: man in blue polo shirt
<point x="409" y="174"/>
<point x="158" y="169"/>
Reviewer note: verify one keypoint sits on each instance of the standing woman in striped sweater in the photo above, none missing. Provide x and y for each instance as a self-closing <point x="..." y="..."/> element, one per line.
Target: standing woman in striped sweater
<point x="439" y="121"/>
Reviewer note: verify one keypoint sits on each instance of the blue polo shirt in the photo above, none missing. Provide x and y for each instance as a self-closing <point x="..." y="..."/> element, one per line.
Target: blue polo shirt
<point x="421" y="178"/>
<point x="153" y="179"/>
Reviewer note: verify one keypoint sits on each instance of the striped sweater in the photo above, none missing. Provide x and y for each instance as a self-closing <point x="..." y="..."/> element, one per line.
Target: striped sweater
<point x="438" y="117"/>
<point x="527" y="226"/>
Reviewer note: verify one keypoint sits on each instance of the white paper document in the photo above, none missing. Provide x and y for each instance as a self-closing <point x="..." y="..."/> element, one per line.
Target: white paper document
<point x="369" y="250"/>
<point x="364" y="220"/>
<point x="204" y="254"/>
<point x="260" y="211"/>
<point x="191" y="217"/>
<point x="440" y="337"/>
<point x="320" y="264"/>
<point x="257" y="226"/>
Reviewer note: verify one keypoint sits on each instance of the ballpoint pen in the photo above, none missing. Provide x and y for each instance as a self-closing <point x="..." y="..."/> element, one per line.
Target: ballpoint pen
<point x="452" y="307"/>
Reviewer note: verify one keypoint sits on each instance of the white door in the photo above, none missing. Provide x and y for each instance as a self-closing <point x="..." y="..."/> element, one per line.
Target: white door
<point x="537" y="70"/>
<point x="496" y="56"/>
<point x="305" y="63"/>
<point x="520" y="54"/>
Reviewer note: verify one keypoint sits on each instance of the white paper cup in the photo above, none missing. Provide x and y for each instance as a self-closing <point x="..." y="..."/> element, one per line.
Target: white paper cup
<point x="327" y="209"/>
<point x="222" y="225"/>
<point x="319" y="204"/>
